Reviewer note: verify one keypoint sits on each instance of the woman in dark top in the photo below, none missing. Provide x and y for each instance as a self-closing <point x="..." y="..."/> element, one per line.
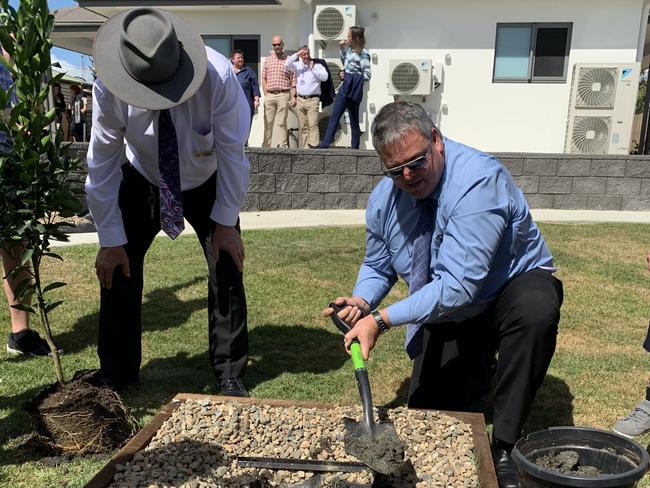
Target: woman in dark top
<point x="60" y="107"/>
<point x="247" y="80"/>
<point x="356" y="71"/>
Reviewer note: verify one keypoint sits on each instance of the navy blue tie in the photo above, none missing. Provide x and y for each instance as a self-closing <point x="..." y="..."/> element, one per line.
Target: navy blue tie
<point x="171" y="203"/>
<point x="420" y="268"/>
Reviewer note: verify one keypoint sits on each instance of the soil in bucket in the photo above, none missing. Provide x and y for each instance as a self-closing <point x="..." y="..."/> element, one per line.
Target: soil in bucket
<point x="83" y="416"/>
<point x="579" y="457"/>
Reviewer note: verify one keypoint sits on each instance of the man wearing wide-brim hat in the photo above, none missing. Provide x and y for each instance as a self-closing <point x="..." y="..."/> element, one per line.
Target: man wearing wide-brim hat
<point x="169" y="126"/>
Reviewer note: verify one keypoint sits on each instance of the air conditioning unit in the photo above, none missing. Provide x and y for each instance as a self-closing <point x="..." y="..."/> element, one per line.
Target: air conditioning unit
<point x="343" y="134"/>
<point x="335" y="66"/>
<point x="331" y="22"/>
<point x="601" y="108"/>
<point x="409" y="77"/>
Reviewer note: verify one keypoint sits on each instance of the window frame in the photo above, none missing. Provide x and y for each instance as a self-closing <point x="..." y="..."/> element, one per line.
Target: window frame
<point x="535" y="26"/>
<point x="255" y="64"/>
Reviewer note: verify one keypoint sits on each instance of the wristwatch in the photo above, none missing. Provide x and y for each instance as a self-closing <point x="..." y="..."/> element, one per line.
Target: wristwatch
<point x="381" y="325"/>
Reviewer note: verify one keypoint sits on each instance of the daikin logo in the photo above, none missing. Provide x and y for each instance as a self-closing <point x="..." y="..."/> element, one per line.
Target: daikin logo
<point x="625" y="73"/>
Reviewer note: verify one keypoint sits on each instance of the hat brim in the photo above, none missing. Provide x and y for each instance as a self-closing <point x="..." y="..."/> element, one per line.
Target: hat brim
<point x="160" y="96"/>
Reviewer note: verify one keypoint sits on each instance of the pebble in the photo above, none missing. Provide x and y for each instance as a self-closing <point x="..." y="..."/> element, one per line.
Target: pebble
<point x="199" y="444"/>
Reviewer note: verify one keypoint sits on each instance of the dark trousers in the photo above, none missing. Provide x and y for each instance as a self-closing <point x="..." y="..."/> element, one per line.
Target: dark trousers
<point x="458" y="359"/>
<point x="120" y="322"/>
<point x="341" y="103"/>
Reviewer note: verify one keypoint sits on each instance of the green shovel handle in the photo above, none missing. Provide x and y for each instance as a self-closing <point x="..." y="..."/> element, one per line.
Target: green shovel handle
<point x="357" y="357"/>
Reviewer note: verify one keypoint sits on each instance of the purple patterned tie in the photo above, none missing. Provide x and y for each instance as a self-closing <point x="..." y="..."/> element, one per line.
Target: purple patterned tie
<point x="171" y="203"/>
<point x="420" y="268"/>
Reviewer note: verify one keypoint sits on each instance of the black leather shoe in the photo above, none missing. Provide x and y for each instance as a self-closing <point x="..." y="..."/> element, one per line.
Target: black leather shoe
<point x="507" y="474"/>
<point x="233" y="387"/>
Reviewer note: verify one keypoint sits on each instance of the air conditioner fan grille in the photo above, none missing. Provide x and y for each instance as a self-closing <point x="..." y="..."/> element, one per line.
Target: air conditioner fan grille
<point x="590" y="135"/>
<point x="596" y="87"/>
<point x="322" y="128"/>
<point x="405" y="77"/>
<point x="330" y="23"/>
<point x="335" y="69"/>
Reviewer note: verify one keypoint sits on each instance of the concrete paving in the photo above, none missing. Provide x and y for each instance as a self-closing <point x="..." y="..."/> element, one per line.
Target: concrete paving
<point x="327" y="218"/>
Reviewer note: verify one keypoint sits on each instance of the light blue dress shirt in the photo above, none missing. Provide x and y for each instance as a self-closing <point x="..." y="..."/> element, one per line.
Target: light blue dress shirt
<point x="484" y="236"/>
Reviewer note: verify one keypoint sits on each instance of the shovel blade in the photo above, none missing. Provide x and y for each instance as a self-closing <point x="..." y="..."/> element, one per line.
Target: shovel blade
<point x="380" y="448"/>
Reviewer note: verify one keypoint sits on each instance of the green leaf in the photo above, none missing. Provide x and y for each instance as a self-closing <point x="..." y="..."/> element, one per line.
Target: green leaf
<point x="53" y="255"/>
<point x="22" y="287"/>
<point x="24" y="308"/>
<point x="54" y="286"/>
<point x="51" y="306"/>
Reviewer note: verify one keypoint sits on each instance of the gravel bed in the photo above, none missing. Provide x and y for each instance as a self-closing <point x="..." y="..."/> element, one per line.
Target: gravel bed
<point x="199" y="444"/>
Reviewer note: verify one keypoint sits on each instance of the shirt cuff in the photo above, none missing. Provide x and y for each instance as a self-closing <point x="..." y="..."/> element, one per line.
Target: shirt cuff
<point x="367" y="294"/>
<point x="224" y="215"/>
<point x="112" y="236"/>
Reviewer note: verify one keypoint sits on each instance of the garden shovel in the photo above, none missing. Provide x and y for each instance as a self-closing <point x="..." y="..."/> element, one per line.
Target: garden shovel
<point x="376" y="444"/>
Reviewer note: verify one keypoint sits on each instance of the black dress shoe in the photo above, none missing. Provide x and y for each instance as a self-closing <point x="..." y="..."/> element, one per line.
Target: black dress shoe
<point x="233" y="387"/>
<point x="505" y="467"/>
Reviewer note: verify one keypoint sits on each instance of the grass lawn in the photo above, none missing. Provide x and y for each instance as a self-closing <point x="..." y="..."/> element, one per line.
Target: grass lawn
<point x="599" y="371"/>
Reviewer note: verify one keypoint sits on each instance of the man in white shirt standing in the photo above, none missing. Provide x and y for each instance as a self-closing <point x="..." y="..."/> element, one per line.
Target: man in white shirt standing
<point x="309" y="76"/>
<point x="169" y="125"/>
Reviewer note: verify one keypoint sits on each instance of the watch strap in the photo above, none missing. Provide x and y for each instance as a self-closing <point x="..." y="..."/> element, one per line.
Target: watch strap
<point x="381" y="325"/>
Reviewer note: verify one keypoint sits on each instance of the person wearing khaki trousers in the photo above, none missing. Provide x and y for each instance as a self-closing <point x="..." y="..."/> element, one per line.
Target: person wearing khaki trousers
<point x="279" y="87"/>
<point x="309" y="76"/>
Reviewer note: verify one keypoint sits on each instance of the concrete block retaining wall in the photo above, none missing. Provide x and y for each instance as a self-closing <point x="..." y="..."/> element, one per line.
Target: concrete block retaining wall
<point x="283" y="179"/>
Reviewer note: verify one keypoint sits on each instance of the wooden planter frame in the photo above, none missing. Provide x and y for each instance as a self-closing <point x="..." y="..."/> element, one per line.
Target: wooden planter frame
<point x="486" y="474"/>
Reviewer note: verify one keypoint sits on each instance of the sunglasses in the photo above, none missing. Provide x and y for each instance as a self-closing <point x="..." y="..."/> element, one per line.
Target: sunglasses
<point x="416" y="163"/>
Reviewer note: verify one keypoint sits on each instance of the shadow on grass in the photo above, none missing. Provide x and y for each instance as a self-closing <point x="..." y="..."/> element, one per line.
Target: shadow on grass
<point x="275" y="350"/>
<point x="553" y="406"/>
<point x="15" y="430"/>
<point x="161" y="310"/>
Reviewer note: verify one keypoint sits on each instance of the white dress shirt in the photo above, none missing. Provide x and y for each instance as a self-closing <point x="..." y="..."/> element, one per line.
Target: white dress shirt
<point x="208" y="139"/>
<point x="308" y="78"/>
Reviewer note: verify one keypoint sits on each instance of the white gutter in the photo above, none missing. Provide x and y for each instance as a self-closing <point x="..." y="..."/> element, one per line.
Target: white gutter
<point x="643" y="27"/>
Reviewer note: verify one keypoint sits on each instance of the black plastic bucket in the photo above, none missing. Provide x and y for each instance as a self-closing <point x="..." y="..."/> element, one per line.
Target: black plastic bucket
<point x="620" y="461"/>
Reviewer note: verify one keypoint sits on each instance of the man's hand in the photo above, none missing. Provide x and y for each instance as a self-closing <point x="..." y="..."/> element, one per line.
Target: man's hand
<point x="227" y="238"/>
<point x="366" y="332"/>
<point x="294" y="101"/>
<point x="256" y="103"/>
<point x="355" y="308"/>
<point x="109" y="258"/>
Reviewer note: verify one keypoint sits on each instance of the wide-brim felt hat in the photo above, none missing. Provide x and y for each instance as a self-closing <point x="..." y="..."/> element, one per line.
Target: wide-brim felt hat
<point x="150" y="58"/>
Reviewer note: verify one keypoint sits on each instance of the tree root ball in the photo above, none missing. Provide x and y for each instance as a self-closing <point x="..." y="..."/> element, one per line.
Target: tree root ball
<point x="81" y="417"/>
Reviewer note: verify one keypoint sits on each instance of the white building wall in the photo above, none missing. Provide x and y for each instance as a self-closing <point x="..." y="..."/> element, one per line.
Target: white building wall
<point x="468" y="106"/>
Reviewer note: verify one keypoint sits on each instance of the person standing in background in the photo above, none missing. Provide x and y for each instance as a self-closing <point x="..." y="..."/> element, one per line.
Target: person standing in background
<point x="247" y="79"/>
<point x="61" y="112"/>
<point x="78" y="114"/>
<point x="309" y="76"/>
<point x="638" y="421"/>
<point x="356" y="71"/>
<point x="21" y="339"/>
<point x="279" y="86"/>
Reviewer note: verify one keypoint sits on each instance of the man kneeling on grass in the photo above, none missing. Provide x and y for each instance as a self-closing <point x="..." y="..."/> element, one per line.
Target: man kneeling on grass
<point x="451" y="222"/>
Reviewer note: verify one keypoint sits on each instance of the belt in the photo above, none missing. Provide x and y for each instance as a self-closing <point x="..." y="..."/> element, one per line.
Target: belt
<point x="278" y="91"/>
<point x="309" y="96"/>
